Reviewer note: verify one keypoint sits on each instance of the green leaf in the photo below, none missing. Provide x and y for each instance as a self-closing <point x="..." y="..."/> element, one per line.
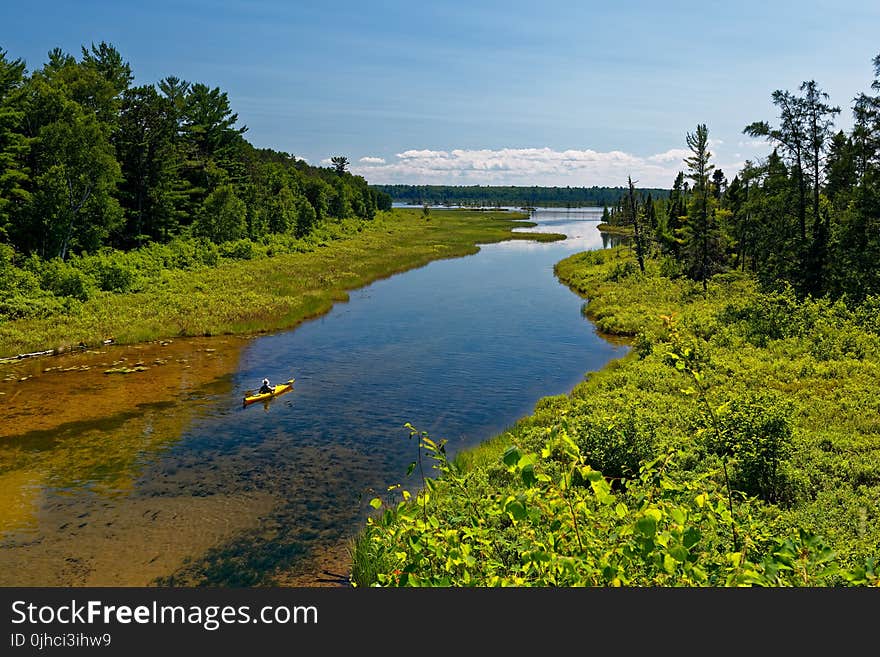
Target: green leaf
<point x="528" y="475"/>
<point x="679" y="554"/>
<point x="691" y="537"/>
<point x="647" y="526"/>
<point x="591" y="475"/>
<point x="375" y="503"/>
<point x="516" y="509"/>
<point x="409" y="470"/>
<point x="540" y="557"/>
<point x="512" y="456"/>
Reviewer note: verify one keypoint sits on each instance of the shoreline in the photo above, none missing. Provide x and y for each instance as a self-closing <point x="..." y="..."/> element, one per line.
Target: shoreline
<point x="625" y="231"/>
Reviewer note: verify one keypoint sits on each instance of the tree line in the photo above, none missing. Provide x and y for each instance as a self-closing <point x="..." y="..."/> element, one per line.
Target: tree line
<point x="501" y="195"/>
<point x="88" y="161"/>
<point x="808" y="216"/>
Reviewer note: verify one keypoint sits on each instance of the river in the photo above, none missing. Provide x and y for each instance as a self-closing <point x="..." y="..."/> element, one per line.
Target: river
<point x="163" y="477"/>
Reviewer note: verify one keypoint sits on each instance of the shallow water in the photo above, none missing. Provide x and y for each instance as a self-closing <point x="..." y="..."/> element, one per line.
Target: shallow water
<point x="167" y="478"/>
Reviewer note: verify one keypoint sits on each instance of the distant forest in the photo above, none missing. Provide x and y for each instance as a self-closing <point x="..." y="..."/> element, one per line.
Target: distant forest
<point x="496" y="196"/>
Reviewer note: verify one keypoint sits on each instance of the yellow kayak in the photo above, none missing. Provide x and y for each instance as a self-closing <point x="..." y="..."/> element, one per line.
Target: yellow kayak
<point x="279" y="389"/>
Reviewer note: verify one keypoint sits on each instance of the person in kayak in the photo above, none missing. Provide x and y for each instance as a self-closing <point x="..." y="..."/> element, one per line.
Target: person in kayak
<point x="266" y="387"/>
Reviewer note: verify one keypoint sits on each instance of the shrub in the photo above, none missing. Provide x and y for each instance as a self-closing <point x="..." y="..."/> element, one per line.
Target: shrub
<point x="621" y="270"/>
<point x="617" y="445"/>
<point x="541" y="530"/>
<point x="770" y="316"/>
<point x="755" y="431"/>
<point x="65" y="279"/>
<point x="113" y="272"/>
<point x="239" y="249"/>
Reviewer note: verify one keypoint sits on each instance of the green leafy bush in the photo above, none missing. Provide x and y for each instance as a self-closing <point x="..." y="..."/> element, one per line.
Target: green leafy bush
<point x="243" y="249"/>
<point x="65" y="279"/>
<point x="756" y="433"/>
<point x="770" y="316"/>
<point x="617" y="444"/>
<point x="621" y="270"/>
<point x="560" y="523"/>
<point x="113" y="272"/>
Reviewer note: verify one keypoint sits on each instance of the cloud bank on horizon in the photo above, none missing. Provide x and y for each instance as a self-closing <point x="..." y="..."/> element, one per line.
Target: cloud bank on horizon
<point x="530" y="166"/>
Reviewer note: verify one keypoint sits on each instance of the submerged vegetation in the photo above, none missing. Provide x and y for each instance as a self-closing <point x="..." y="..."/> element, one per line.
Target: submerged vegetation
<point x="739" y="441"/>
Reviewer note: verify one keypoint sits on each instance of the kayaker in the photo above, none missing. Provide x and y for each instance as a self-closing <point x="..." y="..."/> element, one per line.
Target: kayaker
<point x="266" y="387"/>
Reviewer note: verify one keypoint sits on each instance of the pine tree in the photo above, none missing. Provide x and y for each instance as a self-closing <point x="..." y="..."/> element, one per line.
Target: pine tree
<point x="703" y="245"/>
<point x="14" y="145"/>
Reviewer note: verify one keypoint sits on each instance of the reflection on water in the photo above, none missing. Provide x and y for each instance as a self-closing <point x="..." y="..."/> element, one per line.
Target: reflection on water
<point x="193" y="488"/>
<point x="610" y="240"/>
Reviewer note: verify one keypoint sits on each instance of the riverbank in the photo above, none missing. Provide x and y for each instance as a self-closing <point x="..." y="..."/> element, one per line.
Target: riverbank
<point x="276" y="292"/>
<point x="610" y="229"/>
<point x="738" y="443"/>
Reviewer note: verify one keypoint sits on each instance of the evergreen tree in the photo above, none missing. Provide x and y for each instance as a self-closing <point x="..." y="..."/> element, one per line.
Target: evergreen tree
<point x="14" y="144"/>
<point x="719" y="184"/>
<point x="650" y="214"/>
<point x="340" y="163"/>
<point x="147" y="155"/>
<point x="703" y="246"/>
<point x="841" y="168"/>
<point x="791" y="135"/>
<point x="676" y="211"/>
<point x="211" y="142"/>
<point x="633" y="212"/>
<point x="819" y="118"/>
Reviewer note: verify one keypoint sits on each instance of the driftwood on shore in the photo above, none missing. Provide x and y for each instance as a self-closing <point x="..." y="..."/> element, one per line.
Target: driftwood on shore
<point x="50" y="352"/>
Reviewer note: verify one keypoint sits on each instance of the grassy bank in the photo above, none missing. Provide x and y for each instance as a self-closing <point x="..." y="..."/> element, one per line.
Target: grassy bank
<point x="267" y="293"/>
<point x="615" y="230"/>
<point x="737" y="444"/>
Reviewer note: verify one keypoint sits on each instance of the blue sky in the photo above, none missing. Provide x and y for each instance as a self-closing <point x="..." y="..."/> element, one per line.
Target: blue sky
<point x="569" y="93"/>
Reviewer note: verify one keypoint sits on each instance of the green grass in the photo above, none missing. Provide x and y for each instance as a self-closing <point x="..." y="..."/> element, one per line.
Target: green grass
<point x="248" y="296"/>
<point x="615" y="230"/>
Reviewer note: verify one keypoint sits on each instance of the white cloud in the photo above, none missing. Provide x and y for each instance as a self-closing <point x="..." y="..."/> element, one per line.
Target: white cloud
<point x="753" y="143"/>
<point x="672" y="155"/>
<point x="326" y="162"/>
<point x="525" y="166"/>
<point x="372" y="160"/>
